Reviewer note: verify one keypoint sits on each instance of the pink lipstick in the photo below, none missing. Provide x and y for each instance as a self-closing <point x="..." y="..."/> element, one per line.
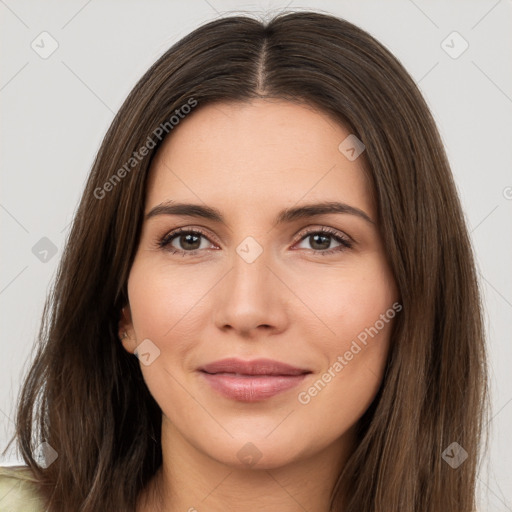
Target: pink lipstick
<point x="251" y="381"/>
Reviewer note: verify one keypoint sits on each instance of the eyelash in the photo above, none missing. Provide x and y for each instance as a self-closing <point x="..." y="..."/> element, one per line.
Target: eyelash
<point x="345" y="243"/>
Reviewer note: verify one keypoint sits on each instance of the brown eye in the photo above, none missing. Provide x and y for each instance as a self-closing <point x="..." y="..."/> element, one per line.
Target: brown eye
<point x="325" y="241"/>
<point x="184" y="241"/>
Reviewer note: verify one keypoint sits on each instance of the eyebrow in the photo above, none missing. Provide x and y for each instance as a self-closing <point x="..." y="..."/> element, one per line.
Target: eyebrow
<point x="287" y="215"/>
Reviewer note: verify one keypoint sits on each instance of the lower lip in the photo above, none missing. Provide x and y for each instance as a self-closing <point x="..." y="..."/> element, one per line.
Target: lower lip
<point x="251" y="388"/>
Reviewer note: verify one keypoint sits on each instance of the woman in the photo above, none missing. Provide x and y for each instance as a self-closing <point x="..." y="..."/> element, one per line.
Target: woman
<point x="268" y="298"/>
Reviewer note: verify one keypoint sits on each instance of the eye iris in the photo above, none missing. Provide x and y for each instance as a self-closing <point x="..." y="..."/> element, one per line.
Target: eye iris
<point x="320" y="245"/>
<point x="188" y="239"/>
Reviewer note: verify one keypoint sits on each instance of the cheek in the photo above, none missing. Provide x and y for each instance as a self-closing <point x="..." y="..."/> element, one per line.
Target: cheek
<point x="345" y="387"/>
<point x="350" y="301"/>
<point x="165" y="302"/>
<point x="166" y="307"/>
<point x="357" y="307"/>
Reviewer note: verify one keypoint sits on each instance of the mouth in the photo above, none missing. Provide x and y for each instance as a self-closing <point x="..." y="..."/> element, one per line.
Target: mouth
<point x="252" y="381"/>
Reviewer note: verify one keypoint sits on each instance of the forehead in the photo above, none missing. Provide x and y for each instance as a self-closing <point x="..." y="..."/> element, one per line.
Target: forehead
<point x="257" y="156"/>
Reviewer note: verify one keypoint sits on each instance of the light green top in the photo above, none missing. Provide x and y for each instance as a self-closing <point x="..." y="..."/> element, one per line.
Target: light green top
<point x="18" y="491"/>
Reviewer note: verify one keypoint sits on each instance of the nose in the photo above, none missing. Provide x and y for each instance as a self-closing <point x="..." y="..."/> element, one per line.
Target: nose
<point x="252" y="298"/>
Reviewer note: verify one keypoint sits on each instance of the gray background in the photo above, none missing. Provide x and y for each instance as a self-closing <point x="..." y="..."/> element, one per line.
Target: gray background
<point x="55" y="112"/>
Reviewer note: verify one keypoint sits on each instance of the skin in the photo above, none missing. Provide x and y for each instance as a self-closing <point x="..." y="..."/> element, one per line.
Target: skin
<point x="292" y="304"/>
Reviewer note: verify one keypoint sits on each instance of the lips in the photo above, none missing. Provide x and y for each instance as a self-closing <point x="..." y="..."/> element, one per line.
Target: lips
<point x="255" y="367"/>
<point x="251" y="381"/>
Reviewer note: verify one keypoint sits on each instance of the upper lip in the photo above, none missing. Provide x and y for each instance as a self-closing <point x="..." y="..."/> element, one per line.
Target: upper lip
<point x="254" y="367"/>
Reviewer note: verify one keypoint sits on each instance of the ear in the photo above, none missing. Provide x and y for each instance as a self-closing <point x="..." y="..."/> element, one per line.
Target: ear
<point x="126" y="332"/>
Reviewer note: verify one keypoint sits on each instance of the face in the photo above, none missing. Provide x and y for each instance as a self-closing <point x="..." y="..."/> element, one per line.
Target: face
<point x="251" y="274"/>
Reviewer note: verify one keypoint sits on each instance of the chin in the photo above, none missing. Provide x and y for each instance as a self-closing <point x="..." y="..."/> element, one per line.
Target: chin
<point x="257" y="452"/>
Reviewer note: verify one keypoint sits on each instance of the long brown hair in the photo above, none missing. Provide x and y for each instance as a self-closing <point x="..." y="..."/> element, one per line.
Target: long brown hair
<point x="84" y="390"/>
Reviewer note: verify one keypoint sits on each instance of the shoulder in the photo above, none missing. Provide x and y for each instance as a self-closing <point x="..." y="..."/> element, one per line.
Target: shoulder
<point x="18" y="490"/>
